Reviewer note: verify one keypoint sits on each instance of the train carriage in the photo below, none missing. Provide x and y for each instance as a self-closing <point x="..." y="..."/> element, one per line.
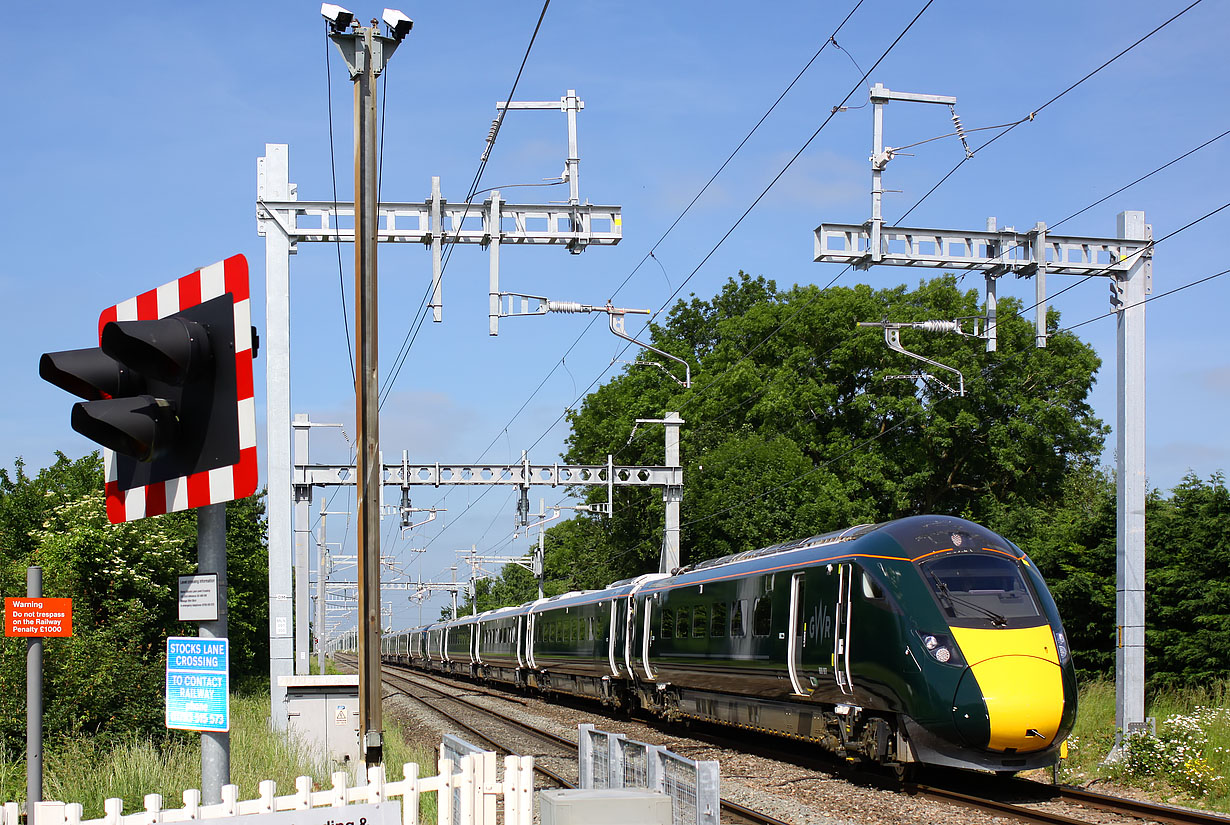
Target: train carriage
<point x="500" y="644"/>
<point x="924" y="640"/>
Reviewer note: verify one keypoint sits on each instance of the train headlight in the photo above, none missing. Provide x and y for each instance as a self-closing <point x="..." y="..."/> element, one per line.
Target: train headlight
<point x="941" y="648"/>
<point x="1061" y="647"/>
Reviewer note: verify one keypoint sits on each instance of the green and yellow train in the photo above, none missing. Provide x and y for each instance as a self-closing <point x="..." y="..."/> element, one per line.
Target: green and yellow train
<point x="927" y="640"/>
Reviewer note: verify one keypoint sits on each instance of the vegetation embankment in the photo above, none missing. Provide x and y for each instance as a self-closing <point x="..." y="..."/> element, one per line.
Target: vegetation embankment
<point x="1186" y="762"/>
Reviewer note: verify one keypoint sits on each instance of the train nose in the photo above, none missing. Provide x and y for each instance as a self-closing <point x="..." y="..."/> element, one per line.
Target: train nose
<point x="1010" y="703"/>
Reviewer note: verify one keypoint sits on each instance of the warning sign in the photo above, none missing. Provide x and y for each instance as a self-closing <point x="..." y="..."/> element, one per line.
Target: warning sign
<point x="38" y="616"/>
<point x="339" y="718"/>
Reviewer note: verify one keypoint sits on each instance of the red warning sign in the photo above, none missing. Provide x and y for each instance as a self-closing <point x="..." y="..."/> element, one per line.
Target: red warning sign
<point x="38" y="616"/>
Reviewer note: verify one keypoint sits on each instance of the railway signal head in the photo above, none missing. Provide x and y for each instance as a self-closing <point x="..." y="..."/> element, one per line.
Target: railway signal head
<point x="168" y="393"/>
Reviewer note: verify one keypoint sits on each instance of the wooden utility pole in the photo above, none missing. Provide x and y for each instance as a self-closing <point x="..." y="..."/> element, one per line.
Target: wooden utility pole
<point x="366" y="52"/>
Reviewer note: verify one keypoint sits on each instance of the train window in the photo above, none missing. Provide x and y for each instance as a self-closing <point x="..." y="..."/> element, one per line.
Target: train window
<point x="980" y="587"/>
<point x="718" y="626"/>
<point x="762" y="617"/>
<point x="667" y="628"/>
<point x="871" y="589"/>
<point x="700" y="622"/>
<point x="738" y="625"/>
<point x="682" y="622"/>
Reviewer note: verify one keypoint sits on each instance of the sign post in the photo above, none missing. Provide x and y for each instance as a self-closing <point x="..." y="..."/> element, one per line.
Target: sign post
<point x="36" y="617"/>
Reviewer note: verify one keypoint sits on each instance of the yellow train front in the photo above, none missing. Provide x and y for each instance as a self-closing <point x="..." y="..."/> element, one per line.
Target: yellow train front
<point x="996" y="687"/>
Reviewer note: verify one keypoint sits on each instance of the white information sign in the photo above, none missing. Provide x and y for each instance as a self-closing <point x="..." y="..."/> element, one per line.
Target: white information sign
<point x="198" y="598"/>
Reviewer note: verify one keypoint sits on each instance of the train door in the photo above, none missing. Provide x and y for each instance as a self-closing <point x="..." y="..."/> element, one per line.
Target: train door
<point x="846" y="574"/>
<point x="518" y="631"/>
<point x="614" y="634"/>
<point x="531" y="631"/>
<point x="796" y="640"/>
<point x="647" y="635"/>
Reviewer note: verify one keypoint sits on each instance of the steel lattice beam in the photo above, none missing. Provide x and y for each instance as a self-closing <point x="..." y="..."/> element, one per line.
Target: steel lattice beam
<point x="999" y="252"/>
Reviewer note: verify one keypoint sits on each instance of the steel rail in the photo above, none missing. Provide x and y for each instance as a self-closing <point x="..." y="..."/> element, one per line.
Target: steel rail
<point x="1135" y="807"/>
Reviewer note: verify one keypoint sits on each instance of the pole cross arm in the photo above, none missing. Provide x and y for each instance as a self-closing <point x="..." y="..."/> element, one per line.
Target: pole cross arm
<point x="317" y="221"/>
<point x="1003" y="251"/>
<point x="437" y="475"/>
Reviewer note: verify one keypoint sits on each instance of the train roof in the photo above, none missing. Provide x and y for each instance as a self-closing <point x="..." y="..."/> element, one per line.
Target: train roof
<point x="915" y="536"/>
<point x="835" y="537"/>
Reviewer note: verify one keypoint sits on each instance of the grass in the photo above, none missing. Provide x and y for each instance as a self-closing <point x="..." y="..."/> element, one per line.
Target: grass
<point x="1186" y="763"/>
<point x="80" y="770"/>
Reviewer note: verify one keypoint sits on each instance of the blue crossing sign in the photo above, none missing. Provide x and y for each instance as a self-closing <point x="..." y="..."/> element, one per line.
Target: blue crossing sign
<point x="198" y="676"/>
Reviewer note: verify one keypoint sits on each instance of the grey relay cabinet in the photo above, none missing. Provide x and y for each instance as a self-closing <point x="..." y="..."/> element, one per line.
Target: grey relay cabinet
<point x="323" y="712"/>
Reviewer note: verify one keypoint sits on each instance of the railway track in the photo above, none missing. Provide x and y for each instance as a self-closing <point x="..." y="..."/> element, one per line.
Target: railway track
<point x="1018" y="800"/>
<point x="1075" y="797"/>
<point x="441" y="693"/>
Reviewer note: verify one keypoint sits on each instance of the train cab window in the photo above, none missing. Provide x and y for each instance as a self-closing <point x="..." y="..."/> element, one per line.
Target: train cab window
<point x="717" y="627"/>
<point x="980" y="587"/>
<point x="668" y="623"/>
<point x="700" y="622"/>
<point x="762" y="617"/>
<point x="683" y="620"/>
<point x="871" y="589"/>
<point x="738" y="625"/>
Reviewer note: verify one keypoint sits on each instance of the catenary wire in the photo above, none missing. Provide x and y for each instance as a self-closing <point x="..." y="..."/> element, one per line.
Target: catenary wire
<point x="684" y="213"/>
<point x="1007" y="128"/>
<point x="747" y="211"/>
<point x="412" y="334"/>
<point x="664" y="235"/>
<point x="337" y="235"/>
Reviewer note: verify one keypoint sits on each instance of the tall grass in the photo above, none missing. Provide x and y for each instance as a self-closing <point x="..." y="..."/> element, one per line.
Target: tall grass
<point x="81" y="770"/>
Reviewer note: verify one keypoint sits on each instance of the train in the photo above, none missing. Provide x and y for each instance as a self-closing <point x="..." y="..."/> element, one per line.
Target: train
<point x="928" y="640"/>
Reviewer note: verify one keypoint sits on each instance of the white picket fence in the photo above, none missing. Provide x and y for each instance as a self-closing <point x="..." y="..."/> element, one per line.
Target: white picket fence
<point x="466" y="806"/>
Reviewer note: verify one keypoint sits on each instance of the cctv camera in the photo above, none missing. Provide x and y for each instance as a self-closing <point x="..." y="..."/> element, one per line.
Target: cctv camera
<point x="338" y="17"/>
<point x="398" y="22"/>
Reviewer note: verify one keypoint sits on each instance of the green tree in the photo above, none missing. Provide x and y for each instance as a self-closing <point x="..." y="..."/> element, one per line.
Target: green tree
<point x="796" y="423"/>
<point x="107" y="678"/>
<point x="1188" y="583"/>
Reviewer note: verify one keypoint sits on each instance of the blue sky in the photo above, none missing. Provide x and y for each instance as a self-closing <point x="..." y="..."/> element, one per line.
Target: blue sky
<point x="133" y="132"/>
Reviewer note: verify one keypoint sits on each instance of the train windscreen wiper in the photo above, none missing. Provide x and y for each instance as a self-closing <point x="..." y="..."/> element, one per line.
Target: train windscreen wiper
<point x="946" y="595"/>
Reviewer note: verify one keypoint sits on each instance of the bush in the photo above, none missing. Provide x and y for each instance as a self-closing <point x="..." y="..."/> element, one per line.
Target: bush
<point x="1180" y="753"/>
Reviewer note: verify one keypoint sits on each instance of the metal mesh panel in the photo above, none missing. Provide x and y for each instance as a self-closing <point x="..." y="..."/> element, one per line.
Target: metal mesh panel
<point x="602" y="762"/>
<point x="618" y="762"/>
<point x="636" y="765"/>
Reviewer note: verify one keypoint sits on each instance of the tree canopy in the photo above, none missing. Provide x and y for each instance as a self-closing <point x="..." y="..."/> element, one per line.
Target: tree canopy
<point x="798" y="421"/>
